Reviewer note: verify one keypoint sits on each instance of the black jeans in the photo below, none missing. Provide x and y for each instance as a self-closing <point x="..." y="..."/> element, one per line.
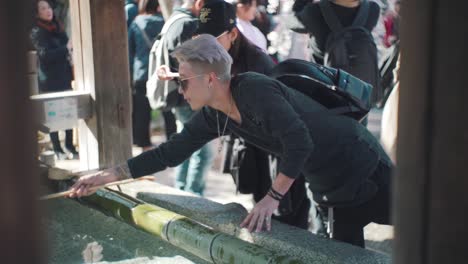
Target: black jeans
<point x="349" y="221"/>
<point x="54" y="137"/>
<point x="141" y="115"/>
<point x="169" y="123"/>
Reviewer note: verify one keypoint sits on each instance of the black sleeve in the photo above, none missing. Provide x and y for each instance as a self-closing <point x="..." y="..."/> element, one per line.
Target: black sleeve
<point x="45" y="53"/>
<point x="196" y="133"/>
<point x="284" y="123"/>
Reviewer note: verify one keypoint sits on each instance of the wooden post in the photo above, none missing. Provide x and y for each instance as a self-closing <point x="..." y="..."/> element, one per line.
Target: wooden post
<point x="101" y="68"/>
<point x="20" y="240"/>
<point x="431" y="197"/>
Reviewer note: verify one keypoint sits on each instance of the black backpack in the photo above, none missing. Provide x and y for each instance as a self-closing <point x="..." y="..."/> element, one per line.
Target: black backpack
<point x="352" y="48"/>
<point x="337" y="90"/>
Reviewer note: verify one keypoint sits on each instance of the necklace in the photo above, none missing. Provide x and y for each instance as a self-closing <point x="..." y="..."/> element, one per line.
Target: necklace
<point x="220" y="135"/>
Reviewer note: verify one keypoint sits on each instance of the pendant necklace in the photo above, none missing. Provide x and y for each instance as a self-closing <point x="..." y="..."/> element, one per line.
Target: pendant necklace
<point x="220" y="135"/>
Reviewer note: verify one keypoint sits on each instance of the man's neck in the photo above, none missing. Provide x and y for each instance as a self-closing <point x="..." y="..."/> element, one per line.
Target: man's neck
<point x="225" y="103"/>
<point x="348" y="3"/>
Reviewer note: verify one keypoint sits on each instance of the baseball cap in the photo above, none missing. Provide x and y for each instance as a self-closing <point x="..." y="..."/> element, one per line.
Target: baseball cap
<point x="216" y="17"/>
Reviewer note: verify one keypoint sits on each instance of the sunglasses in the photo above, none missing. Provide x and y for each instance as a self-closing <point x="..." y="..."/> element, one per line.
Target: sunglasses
<point x="183" y="82"/>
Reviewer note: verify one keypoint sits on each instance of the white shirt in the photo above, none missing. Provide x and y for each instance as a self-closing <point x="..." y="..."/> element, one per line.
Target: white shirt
<point x="252" y="33"/>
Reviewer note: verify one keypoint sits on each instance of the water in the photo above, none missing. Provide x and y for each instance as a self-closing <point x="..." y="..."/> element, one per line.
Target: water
<point x="78" y="234"/>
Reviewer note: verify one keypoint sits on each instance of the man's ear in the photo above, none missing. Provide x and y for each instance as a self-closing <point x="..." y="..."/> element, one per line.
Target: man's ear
<point x="199" y="4"/>
<point x="234" y="34"/>
<point x="211" y="77"/>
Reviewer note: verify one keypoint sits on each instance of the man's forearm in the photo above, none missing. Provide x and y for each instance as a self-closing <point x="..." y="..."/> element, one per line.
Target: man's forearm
<point x="122" y="171"/>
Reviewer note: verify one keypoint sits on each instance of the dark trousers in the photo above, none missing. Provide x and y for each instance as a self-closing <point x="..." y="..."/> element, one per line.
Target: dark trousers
<point x="294" y="207"/>
<point x="349" y="221"/>
<point x="169" y="123"/>
<point x="141" y="115"/>
<point x="54" y="137"/>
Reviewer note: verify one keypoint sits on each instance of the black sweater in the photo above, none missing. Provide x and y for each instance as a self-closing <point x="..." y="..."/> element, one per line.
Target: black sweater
<point x="336" y="154"/>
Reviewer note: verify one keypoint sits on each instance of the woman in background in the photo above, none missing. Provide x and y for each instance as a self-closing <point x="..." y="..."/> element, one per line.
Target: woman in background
<point x="55" y="71"/>
<point x="246" y="12"/>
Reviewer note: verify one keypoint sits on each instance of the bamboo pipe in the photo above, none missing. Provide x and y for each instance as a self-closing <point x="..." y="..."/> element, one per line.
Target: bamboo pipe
<point x="185" y="233"/>
<point x="95" y="188"/>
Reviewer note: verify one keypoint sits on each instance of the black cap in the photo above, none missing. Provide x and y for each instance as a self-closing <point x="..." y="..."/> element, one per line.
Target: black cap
<point x="216" y="17"/>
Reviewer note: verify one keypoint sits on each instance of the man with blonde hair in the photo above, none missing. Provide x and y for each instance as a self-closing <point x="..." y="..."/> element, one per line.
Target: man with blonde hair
<point x="347" y="170"/>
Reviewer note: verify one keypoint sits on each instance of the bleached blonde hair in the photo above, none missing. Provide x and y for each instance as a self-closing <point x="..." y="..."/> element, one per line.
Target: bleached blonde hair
<point x="205" y="55"/>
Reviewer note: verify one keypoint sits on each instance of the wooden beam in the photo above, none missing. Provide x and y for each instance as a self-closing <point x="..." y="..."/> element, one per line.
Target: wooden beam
<point x="20" y="240"/>
<point x="431" y="198"/>
<point x="101" y="66"/>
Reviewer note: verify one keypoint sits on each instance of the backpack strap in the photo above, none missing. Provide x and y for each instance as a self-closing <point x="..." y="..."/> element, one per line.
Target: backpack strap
<point x="159" y="55"/>
<point x="362" y="15"/>
<point x="171" y="21"/>
<point x="158" y="46"/>
<point x="329" y="15"/>
<point x="149" y="43"/>
<point x="161" y="48"/>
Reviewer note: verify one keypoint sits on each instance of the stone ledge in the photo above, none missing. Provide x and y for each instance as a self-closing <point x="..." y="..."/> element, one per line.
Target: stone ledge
<point x="292" y="241"/>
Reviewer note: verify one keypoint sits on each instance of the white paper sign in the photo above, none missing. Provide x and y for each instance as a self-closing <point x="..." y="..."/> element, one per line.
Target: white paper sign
<point x="61" y="113"/>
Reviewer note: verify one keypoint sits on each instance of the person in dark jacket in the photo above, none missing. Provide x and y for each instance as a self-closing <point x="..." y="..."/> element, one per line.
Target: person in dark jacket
<point x="131" y="11"/>
<point x="55" y="71"/>
<point x="311" y="21"/>
<point x="346" y="168"/>
<point x="189" y="176"/>
<point x="141" y="35"/>
<point x="253" y="174"/>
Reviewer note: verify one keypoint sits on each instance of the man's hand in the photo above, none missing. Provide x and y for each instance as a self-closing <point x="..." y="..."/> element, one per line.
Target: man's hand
<point x="261" y="214"/>
<point x="164" y="73"/>
<point x="264" y="209"/>
<point x="83" y="184"/>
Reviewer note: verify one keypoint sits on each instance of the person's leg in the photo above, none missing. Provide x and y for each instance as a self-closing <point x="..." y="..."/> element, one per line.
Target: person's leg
<point x="349" y="222"/>
<point x="181" y="172"/>
<point x="200" y="163"/>
<point x="141" y="116"/>
<point x="69" y="143"/>
<point x="169" y="123"/>
<point x="294" y="208"/>
<point x="183" y="114"/>
<point x="54" y="138"/>
<point x="60" y="154"/>
<point x="348" y="225"/>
